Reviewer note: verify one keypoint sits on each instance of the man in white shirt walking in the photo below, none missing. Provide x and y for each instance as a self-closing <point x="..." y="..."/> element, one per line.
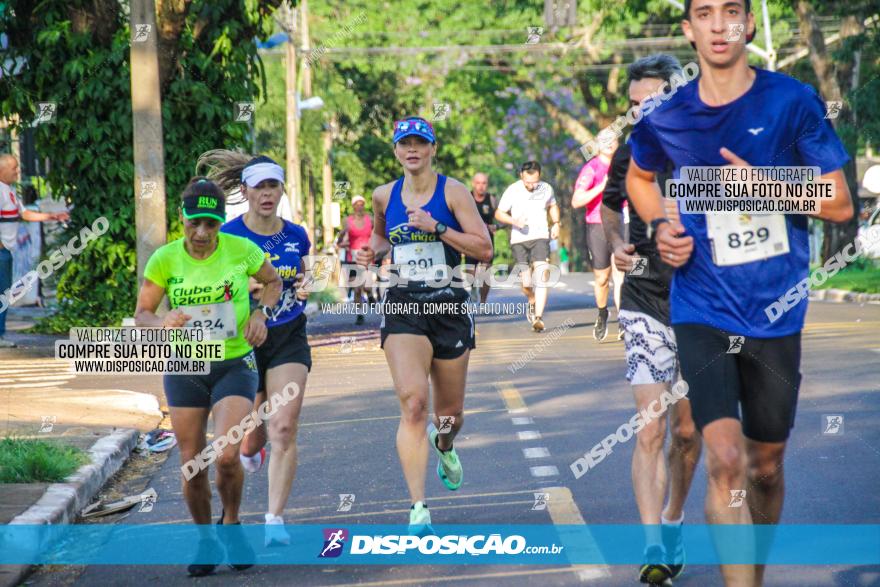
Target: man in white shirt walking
<point x="11" y="213"/>
<point x="524" y="205"/>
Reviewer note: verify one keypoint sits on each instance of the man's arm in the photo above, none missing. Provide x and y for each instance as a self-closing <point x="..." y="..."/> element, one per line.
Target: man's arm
<point x="839" y="209"/>
<point x="32" y="216"/>
<point x="645" y="196"/>
<point x="554" y="217"/>
<point x="502" y="215"/>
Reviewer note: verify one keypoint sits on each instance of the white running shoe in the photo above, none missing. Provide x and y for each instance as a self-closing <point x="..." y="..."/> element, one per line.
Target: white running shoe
<point x="6" y="343"/>
<point x="276" y="535"/>
<point x="253" y="463"/>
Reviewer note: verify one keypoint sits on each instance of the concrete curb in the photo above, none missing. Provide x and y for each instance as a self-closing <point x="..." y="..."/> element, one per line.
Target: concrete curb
<point x="62" y="502"/>
<point x="841" y="296"/>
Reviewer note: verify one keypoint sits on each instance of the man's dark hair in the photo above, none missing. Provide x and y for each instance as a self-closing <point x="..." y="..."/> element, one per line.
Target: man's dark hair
<point x="687" y="8"/>
<point x="657" y="66"/>
<point x="530" y="167"/>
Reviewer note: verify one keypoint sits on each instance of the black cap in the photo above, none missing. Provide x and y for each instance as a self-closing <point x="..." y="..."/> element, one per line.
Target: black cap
<point x="204" y="206"/>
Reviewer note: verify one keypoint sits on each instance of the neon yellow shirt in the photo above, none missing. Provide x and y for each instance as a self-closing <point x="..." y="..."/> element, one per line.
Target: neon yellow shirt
<point x="210" y="285"/>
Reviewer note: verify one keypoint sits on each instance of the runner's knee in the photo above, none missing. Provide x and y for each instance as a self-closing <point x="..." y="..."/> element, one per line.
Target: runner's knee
<point x="282" y="433"/>
<point x="227" y="462"/>
<point x="726" y="464"/>
<point x="650" y="438"/>
<point x="684" y="435"/>
<point x="767" y="473"/>
<point x="414" y="408"/>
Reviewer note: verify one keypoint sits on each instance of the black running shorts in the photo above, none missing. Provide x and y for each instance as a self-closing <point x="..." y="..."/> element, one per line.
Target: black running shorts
<point x="757" y="385"/>
<point x="286" y="343"/>
<point x="533" y="251"/>
<point x="599" y="247"/>
<point x="228" y="377"/>
<point x="451" y="333"/>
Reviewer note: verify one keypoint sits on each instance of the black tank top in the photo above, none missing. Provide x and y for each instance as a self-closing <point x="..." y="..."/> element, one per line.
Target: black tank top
<point x="485" y="208"/>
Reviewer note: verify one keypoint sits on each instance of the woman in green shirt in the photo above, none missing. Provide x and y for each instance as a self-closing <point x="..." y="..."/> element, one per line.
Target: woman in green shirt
<point x="205" y="276"/>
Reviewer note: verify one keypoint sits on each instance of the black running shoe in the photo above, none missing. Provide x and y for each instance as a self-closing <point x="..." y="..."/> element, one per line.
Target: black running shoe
<point x="208" y="550"/>
<point x="237" y="546"/>
<point x="600" y="331"/>
<point x="654" y="571"/>
<point x="673" y="542"/>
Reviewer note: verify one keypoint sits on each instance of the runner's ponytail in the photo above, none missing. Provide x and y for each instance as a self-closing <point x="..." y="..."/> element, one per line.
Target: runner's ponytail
<point x="224" y="167"/>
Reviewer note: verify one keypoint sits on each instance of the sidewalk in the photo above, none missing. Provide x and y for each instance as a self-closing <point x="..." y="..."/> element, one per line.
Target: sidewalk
<point x="42" y="398"/>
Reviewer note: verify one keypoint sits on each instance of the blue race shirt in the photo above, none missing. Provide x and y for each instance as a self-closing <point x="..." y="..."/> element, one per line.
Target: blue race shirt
<point x="285" y="251"/>
<point x="398" y="232"/>
<point x="779" y="121"/>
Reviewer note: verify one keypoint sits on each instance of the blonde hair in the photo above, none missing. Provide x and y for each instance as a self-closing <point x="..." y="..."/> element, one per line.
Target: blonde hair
<point x="224" y="168"/>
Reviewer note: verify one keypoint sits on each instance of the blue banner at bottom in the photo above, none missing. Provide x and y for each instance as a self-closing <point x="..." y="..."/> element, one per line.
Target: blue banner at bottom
<point x="164" y="544"/>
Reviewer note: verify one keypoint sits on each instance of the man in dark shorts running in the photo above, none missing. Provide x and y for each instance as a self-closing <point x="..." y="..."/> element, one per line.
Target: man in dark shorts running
<point x="731" y="269"/>
<point x="651" y="361"/>
<point x="524" y="205"/>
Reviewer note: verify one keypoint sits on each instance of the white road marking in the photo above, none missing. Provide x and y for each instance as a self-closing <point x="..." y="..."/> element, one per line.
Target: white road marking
<point x="544" y="471"/>
<point x="528" y="435"/>
<point x="538" y="452"/>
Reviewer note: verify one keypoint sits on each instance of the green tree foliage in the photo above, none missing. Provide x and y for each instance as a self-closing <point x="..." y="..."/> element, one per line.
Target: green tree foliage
<point x="78" y="57"/>
<point x="518" y="103"/>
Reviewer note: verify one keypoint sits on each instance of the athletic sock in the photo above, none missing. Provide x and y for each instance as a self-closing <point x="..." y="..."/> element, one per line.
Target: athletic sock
<point x="437" y="445"/>
<point x="677" y="522"/>
<point x="603" y="312"/>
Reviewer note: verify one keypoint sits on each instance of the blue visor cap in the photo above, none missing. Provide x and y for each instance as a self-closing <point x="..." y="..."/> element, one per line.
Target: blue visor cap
<point x="414" y="126"/>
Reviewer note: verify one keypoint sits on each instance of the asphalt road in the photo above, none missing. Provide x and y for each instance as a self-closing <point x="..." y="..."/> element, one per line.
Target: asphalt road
<point x="560" y="404"/>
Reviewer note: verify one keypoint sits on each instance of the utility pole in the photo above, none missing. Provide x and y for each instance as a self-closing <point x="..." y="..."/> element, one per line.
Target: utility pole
<point x="149" y="157"/>
<point x="307" y="93"/>
<point x="327" y="181"/>
<point x="306" y="49"/>
<point x="293" y="176"/>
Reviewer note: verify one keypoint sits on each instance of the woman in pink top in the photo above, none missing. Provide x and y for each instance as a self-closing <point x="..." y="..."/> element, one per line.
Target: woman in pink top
<point x="355" y="235"/>
<point x="588" y="192"/>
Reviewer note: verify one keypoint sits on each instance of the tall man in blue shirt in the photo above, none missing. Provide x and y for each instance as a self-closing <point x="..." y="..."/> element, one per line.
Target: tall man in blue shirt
<point x="743" y="402"/>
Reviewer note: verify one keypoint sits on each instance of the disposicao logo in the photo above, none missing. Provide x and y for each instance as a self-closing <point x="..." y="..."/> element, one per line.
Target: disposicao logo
<point x="334" y="542"/>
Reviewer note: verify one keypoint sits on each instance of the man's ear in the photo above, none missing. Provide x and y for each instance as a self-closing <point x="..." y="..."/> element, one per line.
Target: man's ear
<point x="750" y="27"/>
<point x="688" y="33"/>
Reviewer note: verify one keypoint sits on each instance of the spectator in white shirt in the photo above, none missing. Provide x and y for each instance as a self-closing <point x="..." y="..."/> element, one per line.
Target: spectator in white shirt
<point x="11" y="213"/>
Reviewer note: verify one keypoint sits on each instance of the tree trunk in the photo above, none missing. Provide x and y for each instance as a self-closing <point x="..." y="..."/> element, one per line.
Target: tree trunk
<point x="837" y="236"/>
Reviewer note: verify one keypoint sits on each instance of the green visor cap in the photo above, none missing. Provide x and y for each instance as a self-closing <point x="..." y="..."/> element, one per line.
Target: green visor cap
<point x="204" y="206"/>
